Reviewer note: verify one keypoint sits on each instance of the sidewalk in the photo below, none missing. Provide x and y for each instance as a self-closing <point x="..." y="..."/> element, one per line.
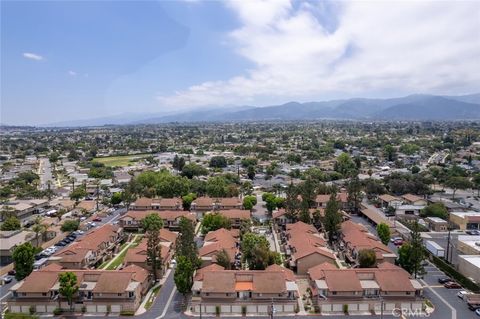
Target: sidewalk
<point x="141" y="309"/>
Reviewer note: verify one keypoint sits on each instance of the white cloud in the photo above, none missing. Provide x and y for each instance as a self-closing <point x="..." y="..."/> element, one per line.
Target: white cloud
<point x="378" y="46"/>
<point x="72" y="73"/>
<point x="32" y="56"/>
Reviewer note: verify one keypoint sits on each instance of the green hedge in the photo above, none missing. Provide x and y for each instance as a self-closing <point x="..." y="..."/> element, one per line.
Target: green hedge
<point x="452" y="272"/>
<point x="15" y="315"/>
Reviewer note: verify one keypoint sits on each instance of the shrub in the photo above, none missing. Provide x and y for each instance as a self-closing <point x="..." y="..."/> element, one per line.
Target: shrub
<point x="127" y="313"/>
<point x="244" y="310"/>
<point x="18" y="315"/>
<point x="57" y="311"/>
<point x="109" y="309"/>
<point x="84" y="309"/>
<point x="345" y="309"/>
<point x="31" y="310"/>
<point x="217" y="311"/>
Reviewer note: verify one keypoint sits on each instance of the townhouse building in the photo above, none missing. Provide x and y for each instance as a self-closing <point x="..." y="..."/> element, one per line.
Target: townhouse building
<point x="229" y="292"/>
<point x="92" y="249"/>
<point x="236" y="216"/>
<point x="216" y="241"/>
<point x="304" y="247"/>
<point x="355" y="237"/>
<point x="100" y="291"/>
<point x="361" y="290"/>
<point x="132" y="220"/>
<point x="138" y="255"/>
<point x="145" y="203"/>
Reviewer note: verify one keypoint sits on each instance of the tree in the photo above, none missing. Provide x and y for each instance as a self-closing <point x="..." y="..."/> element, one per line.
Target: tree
<point x="249" y="242"/>
<point x="476" y="183"/>
<point x="116" y="198"/>
<point x="332" y="218"/>
<point x="218" y="162"/>
<point x="246" y="188"/>
<point x="78" y="193"/>
<point x="292" y="203"/>
<point x="11" y="223"/>
<point x="23" y="259"/>
<point x="187" y="200"/>
<point x="215" y="221"/>
<point x="152" y="224"/>
<point x="404" y="260"/>
<point x="251" y="172"/>
<point x="68" y="286"/>
<point x="435" y="210"/>
<point x="367" y="258"/>
<point x="38" y="228"/>
<point x="217" y="186"/>
<point x="389" y="152"/>
<point x="415" y="169"/>
<point x="458" y="182"/>
<point x="354" y="190"/>
<point x="345" y="165"/>
<point x="183" y="276"/>
<point x="270" y="201"/>
<point x="383" y="231"/>
<point x="178" y="163"/>
<point x="191" y="170"/>
<point x="186" y="242"/>
<point x="70" y="225"/>
<point x="417" y="253"/>
<point x="223" y="259"/>
<point x="305" y="215"/>
<point x="249" y="202"/>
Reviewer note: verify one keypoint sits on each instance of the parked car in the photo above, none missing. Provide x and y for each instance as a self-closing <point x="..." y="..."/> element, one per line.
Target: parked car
<point x="462" y="294"/>
<point x="452" y="285"/>
<point x="477" y="312"/>
<point x="97" y="219"/>
<point x="12" y="272"/>
<point x="444" y="280"/>
<point x="398" y="242"/>
<point x="7" y="279"/>
<point x="472" y="232"/>
<point x="60" y="243"/>
<point x="395" y="238"/>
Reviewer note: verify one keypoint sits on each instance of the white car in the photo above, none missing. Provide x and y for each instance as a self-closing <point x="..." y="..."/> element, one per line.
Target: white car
<point x="462" y="294"/>
<point x="395" y="238"/>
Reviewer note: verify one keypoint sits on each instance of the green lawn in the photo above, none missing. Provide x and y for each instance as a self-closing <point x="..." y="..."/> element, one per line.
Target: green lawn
<point x="149" y="303"/>
<point x="123" y="160"/>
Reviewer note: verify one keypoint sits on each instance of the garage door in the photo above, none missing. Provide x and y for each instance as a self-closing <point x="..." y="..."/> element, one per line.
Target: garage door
<point x="251" y="309"/>
<point x="225" y="308"/>
<point x="352" y="307"/>
<point x="101" y="308"/>
<point x="210" y="309"/>
<point x="417" y="305"/>
<point x="391" y="306"/>
<point x="363" y="307"/>
<point x="405" y="305"/>
<point x="50" y="309"/>
<point x="116" y="308"/>
<point x="337" y="307"/>
<point x="25" y="309"/>
<point x="91" y="309"/>
<point x="41" y="308"/>
<point x="237" y="309"/>
<point x="288" y="308"/>
<point x="326" y="308"/>
<point x="263" y="309"/>
<point x="15" y="309"/>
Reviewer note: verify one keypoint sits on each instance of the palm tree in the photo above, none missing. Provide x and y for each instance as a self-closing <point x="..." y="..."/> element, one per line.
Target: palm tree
<point x="38" y="228"/>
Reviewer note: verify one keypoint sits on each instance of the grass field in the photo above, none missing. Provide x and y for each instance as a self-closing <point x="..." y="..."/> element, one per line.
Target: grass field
<point x="123" y="160"/>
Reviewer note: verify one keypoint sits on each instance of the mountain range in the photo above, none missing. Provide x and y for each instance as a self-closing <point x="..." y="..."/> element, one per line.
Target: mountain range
<point x="419" y="107"/>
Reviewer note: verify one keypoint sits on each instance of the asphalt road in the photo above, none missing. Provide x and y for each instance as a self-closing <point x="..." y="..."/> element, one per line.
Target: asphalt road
<point x="46" y="174"/>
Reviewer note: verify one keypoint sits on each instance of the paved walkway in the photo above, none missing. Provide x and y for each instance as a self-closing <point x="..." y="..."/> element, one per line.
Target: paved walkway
<point x="141" y="309"/>
<point x="130" y="243"/>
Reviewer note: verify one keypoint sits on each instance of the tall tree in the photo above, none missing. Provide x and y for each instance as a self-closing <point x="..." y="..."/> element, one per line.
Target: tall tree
<point x="23" y="259"/>
<point x="354" y="190"/>
<point x="68" y="286"/>
<point x="183" y="276"/>
<point x="152" y="225"/>
<point x="417" y="254"/>
<point x="11" y="223"/>
<point x="223" y="259"/>
<point x="332" y="218"/>
<point x="214" y="221"/>
<point x="38" y="228"/>
<point x="383" y="231"/>
<point x="367" y="258"/>
<point x="458" y="182"/>
<point x="292" y="203"/>
<point x="389" y="152"/>
<point x="187" y="246"/>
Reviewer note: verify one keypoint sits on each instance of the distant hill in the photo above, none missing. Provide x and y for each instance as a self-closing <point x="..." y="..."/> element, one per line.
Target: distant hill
<point x="418" y="107"/>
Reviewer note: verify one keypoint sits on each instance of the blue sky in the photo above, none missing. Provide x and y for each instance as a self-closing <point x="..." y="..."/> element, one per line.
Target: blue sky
<point x="65" y="60"/>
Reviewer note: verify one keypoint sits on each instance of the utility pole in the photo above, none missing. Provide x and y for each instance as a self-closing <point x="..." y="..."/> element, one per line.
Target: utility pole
<point x="448" y="245"/>
<point x="98" y="193"/>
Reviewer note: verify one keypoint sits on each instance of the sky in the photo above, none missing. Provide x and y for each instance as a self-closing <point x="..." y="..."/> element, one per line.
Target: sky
<point x="68" y="60"/>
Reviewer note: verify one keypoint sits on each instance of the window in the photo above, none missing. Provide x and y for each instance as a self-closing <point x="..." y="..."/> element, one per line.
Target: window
<point x="408" y="292"/>
<point x="120" y="294"/>
<point x="131" y="294"/>
<point x="44" y="293"/>
<point x="334" y="293"/>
